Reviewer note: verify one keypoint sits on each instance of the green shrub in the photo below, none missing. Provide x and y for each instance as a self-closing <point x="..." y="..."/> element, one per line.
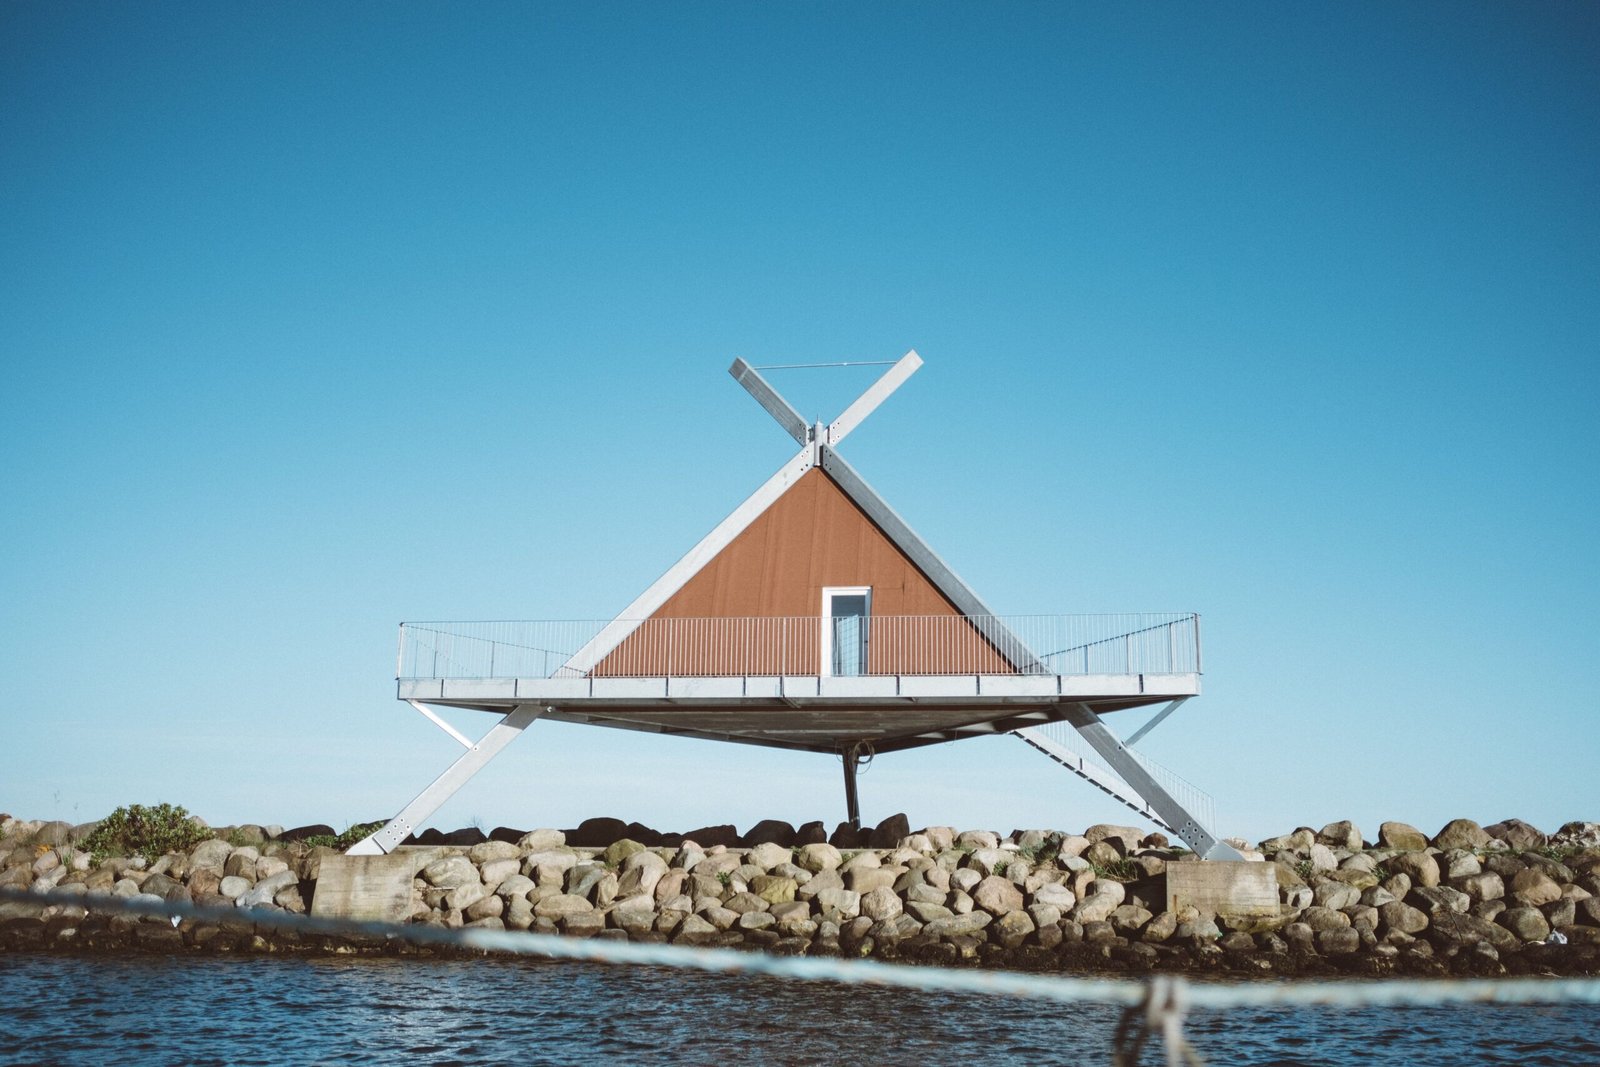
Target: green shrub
<point x="355" y="833"/>
<point x="151" y="832"/>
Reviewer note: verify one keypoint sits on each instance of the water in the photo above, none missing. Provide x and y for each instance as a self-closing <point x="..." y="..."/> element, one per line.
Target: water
<point x="262" y="1010"/>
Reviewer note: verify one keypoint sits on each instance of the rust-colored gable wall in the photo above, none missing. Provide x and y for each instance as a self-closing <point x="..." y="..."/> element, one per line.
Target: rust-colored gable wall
<point x="811" y="537"/>
<point x="769" y="581"/>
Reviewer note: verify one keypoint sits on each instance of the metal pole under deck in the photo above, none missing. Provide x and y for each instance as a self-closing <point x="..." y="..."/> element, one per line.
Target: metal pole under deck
<point x="852" y="805"/>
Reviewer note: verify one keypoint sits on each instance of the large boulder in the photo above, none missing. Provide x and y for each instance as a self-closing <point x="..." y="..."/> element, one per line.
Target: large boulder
<point x="540" y="840"/>
<point x="818" y="856"/>
<point x="1342" y="834"/>
<point x="1518" y="834"/>
<point x="889" y="832"/>
<point x="1454" y="929"/>
<point x="997" y="896"/>
<point x="1403" y="917"/>
<point x="210" y="853"/>
<point x="597" y="833"/>
<point x="1534" y="888"/>
<point x="771" y="831"/>
<point x="493" y="850"/>
<point x="881" y="903"/>
<point x="1460" y="833"/>
<point x="1420" y="867"/>
<point x="1403" y="836"/>
<point x="640" y="874"/>
<point x="1528" y="924"/>
<point x="450" y="872"/>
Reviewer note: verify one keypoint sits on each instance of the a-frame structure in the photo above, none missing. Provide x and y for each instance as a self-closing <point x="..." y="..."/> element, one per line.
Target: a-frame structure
<point x="814" y="618"/>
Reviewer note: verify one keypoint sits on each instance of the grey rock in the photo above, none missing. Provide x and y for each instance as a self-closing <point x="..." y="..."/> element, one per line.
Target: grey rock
<point x="487" y="851"/>
<point x="450" y="872"/>
<point x="818" y="857"/>
<point x="881" y="903"/>
<point x="1437" y="899"/>
<point x="1484" y="886"/>
<point x="1012" y="928"/>
<point x="1460" y="833"/>
<point x="1338" y="942"/>
<point x="1420" y="867"/>
<point x="561" y="904"/>
<point x="926" y="912"/>
<point x="977" y="839"/>
<point x="1528" y="924"/>
<point x="1321" y="919"/>
<point x="1055" y="894"/>
<point x="262" y="892"/>
<point x="489" y="907"/>
<point x="541" y="840"/>
<point x="997" y="896"/>
<point x="1459" y="863"/>
<point x="210" y="853"/>
<point x="896" y="928"/>
<point x="463" y="896"/>
<point x="1342" y="834"/>
<point x="1336" y="895"/>
<point x="767" y="855"/>
<point x="641" y="872"/>
<point x="1402" y="836"/>
<point x="1518" y="834"/>
<point x="840" y="902"/>
<point x="866" y="879"/>
<point x="1533" y="888"/>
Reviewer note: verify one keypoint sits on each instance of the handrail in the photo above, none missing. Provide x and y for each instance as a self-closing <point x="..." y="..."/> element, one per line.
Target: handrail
<point x="1129" y="643"/>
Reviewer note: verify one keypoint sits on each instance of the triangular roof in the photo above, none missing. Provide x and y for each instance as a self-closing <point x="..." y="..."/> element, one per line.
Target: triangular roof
<point x="818" y="453"/>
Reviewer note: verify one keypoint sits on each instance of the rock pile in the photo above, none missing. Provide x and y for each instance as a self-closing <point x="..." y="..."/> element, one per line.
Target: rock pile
<point x="1470" y="899"/>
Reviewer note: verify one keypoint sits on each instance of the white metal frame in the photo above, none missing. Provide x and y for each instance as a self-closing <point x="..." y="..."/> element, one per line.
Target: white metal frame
<point x="817" y="449"/>
<point x="474" y="759"/>
<point x="825" y="622"/>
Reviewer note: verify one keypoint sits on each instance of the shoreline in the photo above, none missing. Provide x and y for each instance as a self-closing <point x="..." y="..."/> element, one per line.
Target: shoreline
<point x="1468" y="901"/>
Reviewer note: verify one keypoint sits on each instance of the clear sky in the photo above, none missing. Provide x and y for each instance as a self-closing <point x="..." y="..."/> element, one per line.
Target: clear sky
<point x="315" y="318"/>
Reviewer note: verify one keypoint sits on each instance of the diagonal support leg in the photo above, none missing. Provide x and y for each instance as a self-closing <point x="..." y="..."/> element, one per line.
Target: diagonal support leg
<point x="1120" y="760"/>
<point x="444" y="787"/>
<point x="1156" y="720"/>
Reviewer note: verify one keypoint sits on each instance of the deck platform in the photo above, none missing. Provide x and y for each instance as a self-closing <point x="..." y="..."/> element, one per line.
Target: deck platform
<point x="811" y="713"/>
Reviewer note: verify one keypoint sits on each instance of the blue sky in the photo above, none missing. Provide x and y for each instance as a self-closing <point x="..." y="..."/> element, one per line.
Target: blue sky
<point x="314" y="319"/>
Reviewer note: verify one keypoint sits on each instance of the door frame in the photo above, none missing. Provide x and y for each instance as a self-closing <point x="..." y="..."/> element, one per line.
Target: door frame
<point x="825" y="623"/>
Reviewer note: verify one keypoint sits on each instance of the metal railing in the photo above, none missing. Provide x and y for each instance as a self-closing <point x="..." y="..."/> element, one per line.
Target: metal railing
<point x="1131" y="643"/>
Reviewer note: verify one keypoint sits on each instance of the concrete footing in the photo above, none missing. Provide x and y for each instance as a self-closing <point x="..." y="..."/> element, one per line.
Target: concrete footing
<point x="365" y="888"/>
<point x="1229" y="889"/>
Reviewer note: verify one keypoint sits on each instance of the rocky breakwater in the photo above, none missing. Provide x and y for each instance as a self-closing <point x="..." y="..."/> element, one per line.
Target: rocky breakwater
<point x="1468" y="900"/>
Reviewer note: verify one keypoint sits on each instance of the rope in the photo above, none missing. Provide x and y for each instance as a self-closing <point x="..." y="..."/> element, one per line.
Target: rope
<point x="1159" y="1005"/>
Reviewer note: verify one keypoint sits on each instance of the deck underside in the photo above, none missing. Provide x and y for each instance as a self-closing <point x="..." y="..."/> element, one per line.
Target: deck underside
<point x="808" y="713"/>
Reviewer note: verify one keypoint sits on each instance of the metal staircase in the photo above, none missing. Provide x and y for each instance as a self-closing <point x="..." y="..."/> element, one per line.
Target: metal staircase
<point x="1059" y="741"/>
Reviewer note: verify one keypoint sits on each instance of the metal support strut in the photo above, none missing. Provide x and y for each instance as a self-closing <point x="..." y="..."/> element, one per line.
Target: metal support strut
<point x="444" y="787"/>
<point x="1120" y="760"/>
<point x="856" y="756"/>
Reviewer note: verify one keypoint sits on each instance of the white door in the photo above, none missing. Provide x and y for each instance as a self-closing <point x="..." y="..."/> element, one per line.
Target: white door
<point x="845" y="632"/>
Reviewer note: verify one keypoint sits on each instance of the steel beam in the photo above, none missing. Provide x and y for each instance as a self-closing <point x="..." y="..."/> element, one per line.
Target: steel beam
<point x="769" y="398"/>
<point x="1155" y="721"/>
<point x="875" y="394"/>
<point x="473" y="760"/>
<point x="852" y="805"/>
<point x="1121" y="761"/>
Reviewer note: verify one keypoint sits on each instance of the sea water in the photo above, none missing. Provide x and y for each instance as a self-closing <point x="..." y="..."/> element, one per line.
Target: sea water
<point x="264" y="1010"/>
